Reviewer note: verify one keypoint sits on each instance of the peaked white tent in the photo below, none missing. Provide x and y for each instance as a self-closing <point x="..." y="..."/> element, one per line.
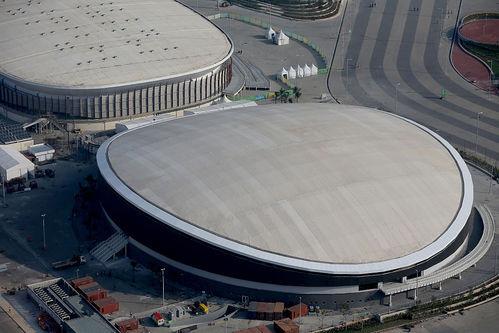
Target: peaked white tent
<point x="13" y="164"/>
<point x="292" y="73"/>
<point x="299" y="71"/>
<point x="306" y="71"/>
<point x="270" y="33"/>
<point x="284" y="74"/>
<point x="281" y="39"/>
<point x="314" y="70"/>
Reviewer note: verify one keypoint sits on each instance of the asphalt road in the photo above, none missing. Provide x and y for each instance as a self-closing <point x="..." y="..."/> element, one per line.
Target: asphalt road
<point x="396" y="58"/>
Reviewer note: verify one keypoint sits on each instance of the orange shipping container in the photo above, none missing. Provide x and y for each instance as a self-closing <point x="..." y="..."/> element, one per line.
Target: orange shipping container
<point x="94" y="295"/>
<point x="294" y="311"/>
<point x="81" y="281"/>
<point x="127" y="325"/>
<point x="286" y="326"/>
<point x="107" y="305"/>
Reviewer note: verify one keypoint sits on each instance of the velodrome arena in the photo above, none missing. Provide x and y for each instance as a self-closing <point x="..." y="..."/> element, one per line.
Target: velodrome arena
<point x="104" y="60"/>
<point x="287" y="199"/>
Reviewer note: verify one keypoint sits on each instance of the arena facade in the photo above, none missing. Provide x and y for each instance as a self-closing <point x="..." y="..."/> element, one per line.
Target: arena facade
<point x="313" y="199"/>
<point x="109" y="59"/>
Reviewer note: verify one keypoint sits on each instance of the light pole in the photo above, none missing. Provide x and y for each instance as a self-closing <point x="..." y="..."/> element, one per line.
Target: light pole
<point x="300" y="312"/>
<point x="226" y="319"/>
<point x="478" y="114"/>
<point x="43" y="228"/>
<point x="416" y="290"/>
<point x="3" y="189"/>
<point x="396" y="97"/>
<point x="490" y="80"/>
<point x="348" y="79"/>
<point x="163" y="279"/>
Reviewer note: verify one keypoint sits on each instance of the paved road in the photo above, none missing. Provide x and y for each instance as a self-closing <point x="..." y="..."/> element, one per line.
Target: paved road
<point x="476" y="320"/>
<point x="392" y="51"/>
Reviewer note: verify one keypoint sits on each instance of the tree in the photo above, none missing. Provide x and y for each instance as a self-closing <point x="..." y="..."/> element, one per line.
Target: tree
<point x="277" y="95"/>
<point x="283" y="95"/>
<point x="297" y="93"/>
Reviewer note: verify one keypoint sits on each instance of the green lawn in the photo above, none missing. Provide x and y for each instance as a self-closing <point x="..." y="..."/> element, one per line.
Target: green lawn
<point x="485" y="55"/>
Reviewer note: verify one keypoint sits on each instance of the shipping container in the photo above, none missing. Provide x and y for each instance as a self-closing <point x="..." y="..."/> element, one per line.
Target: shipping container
<point x="294" y="311"/>
<point x="286" y="326"/>
<point x="89" y="287"/>
<point x="127" y="325"/>
<point x="94" y="295"/>
<point x="81" y="281"/>
<point x="278" y="310"/>
<point x="107" y="305"/>
<point x="256" y="329"/>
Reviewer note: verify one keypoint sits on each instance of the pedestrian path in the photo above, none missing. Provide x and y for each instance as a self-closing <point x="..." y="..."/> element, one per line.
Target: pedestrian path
<point x="16" y="317"/>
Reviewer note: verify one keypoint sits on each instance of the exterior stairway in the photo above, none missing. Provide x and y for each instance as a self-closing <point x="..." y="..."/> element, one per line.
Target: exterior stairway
<point x="108" y="248"/>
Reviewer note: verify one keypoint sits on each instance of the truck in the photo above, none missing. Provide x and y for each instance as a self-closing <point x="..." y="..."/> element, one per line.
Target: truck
<point x="74" y="261"/>
<point x="158" y="319"/>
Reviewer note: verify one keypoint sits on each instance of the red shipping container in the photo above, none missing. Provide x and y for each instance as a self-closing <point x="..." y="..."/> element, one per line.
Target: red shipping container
<point x="128" y="325"/>
<point x="286" y="326"/>
<point x="294" y="311"/>
<point x="89" y="286"/>
<point x="94" y="295"/>
<point x="107" y="305"/>
<point x="81" y="281"/>
<point x="256" y="329"/>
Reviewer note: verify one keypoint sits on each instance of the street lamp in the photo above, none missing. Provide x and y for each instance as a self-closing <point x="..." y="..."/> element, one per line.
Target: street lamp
<point x="348" y="79"/>
<point x="478" y="114"/>
<point x="416" y="290"/>
<point x="43" y="228"/>
<point x="490" y="79"/>
<point x="163" y="279"/>
<point x="3" y="189"/>
<point x="300" y="312"/>
<point x="396" y="97"/>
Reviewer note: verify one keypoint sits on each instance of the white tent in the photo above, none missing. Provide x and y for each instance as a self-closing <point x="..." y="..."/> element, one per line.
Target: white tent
<point x="314" y="70"/>
<point x="299" y="71"/>
<point x="270" y="33"/>
<point x="13" y="164"/>
<point x="42" y="152"/>
<point x="292" y="73"/>
<point x="306" y="71"/>
<point x="281" y="39"/>
<point x="284" y="74"/>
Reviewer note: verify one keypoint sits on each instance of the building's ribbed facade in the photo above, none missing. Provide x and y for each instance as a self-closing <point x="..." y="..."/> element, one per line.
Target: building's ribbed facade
<point x="116" y="102"/>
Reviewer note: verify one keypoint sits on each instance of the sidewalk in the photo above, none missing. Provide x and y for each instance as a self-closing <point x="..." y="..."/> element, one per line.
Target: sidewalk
<point x="16" y="317"/>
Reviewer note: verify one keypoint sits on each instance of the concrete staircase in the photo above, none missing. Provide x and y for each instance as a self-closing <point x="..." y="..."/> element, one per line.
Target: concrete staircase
<point x="107" y="249"/>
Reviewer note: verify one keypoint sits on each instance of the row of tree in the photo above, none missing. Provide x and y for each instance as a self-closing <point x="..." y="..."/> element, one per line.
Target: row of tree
<point x="285" y="96"/>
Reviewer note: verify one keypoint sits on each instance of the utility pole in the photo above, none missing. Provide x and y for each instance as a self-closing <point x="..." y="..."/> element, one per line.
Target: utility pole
<point x="478" y="114"/>
<point x="3" y="189"/>
<point x="43" y="228"/>
<point x="396" y="97"/>
<point x="163" y="279"/>
<point x="300" y="312"/>
<point x="348" y="79"/>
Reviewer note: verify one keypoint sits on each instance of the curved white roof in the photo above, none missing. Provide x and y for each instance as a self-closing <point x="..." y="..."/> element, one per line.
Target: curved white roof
<point x="322" y="187"/>
<point x="97" y="43"/>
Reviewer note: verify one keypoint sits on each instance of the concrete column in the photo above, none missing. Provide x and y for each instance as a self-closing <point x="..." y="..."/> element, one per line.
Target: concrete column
<point x="404" y="279"/>
<point x="380" y="285"/>
<point x="440" y="286"/>
<point x="390" y="301"/>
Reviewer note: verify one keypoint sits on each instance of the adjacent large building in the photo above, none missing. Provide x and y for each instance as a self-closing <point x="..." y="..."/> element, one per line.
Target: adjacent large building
<point x="108" y="59"/>
<point x="301" y="199"/>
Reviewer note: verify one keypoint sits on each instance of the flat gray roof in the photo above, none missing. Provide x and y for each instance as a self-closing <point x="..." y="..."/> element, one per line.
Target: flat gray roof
<point x="319" y="182"/>
<point x="96" y="43"/>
